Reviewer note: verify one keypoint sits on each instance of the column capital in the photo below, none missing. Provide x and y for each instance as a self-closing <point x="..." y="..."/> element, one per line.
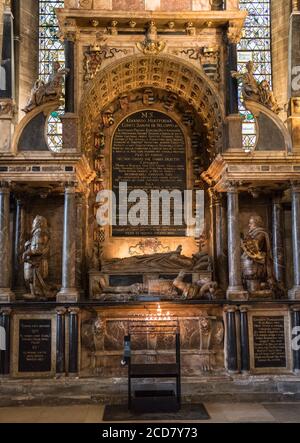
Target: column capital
<point x="215" y="197"/>
<point x="277" y="197"/>
<point x="74" y="311"/>
<point x="244" y="308"/>
<point x="70" y="36"/>
<point x="230" y="308"/>
<point x="232" y="186"/>
<point x="295" y="308"/>
<point x="60" y="310"/>
<point x="70" y="187"/>
<point x="5" y="311"/>
<point x="4" y="187"/>
<point x="295" y="186"/>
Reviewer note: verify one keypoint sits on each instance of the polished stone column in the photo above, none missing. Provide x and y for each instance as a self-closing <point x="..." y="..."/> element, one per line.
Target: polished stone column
<point x="277" y="239"/>
<point x="60" y="341"/>
<point x="235" y="290"/>
<point x="5" y="355"/>
<point x="6" y="294"/>
<point x="245" y="357"/>
<point x="70" y="79"/>
<point x="69" y="292"/>
<point x="231" y="340"/>
<point x="294" y="293"/>
<point x="19" y="241"/>
<point x="73" y="340"/>
<point x="232" y="103"/>
<point x="295" y="314"/>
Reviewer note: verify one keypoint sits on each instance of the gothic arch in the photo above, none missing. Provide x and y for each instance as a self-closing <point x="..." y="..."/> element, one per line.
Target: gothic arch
<point x="165" y="72"/>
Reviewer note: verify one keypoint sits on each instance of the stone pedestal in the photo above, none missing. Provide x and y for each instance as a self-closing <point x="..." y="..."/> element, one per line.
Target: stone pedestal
<point x="234" y="133"/>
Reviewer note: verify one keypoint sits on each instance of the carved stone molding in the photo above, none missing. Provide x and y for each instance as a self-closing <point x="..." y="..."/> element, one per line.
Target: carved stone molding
<point x="234" y="32"/>
<point x="167" y="73"/>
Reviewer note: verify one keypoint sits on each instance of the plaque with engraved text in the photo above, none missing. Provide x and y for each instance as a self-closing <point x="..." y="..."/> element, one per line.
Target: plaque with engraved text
<point x="269" y="342"/>
<point x="35" y="345"/>
<point x="148" y="153"/>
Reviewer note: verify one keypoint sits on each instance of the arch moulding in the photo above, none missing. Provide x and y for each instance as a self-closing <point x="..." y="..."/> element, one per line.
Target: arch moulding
<point x="165" y="72"/>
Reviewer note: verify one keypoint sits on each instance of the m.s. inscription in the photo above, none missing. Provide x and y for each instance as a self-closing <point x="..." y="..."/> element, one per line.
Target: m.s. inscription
<point x="269" y="342"/>
<point x="35" y="345"/>
<point x="149" y="153"/>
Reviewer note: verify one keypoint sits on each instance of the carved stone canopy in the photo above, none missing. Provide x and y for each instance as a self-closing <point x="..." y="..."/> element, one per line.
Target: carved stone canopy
<point x="164" y="72"/>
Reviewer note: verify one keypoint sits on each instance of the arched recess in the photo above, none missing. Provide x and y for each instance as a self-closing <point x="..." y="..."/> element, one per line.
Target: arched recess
<point x="165" y="72"/>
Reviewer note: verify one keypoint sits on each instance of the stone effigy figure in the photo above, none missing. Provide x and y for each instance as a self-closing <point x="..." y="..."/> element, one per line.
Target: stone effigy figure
<point x="253" y="90"/>
<point x="47" y="92"/>
<point x="257" y="261"/>
<point x="201" y="290"/>
<point x="165" y="261"/>
<point x="35" y="259"/>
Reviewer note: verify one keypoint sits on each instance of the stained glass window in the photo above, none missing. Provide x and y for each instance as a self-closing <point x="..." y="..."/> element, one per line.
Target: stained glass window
<point x="256" y="46"/>
<point x="50" y="49"/>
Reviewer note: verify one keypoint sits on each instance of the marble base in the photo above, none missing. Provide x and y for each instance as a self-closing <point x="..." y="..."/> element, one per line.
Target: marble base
<point x="6" y="295"/>
<point x="261" y="295"/>
<point x="68" y="295"/>
<point x="294" y="293"/>
<point x="237" y="294"/>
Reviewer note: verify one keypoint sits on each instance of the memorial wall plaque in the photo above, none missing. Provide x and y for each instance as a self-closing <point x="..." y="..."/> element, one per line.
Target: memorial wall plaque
<point x="269" y="342"/>
<point x="148" y="153"/>
<point x="34" y="345"/>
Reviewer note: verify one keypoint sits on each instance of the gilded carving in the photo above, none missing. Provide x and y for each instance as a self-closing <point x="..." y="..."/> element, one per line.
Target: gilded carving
<point x="151" y="44"/>
<point x="94" y="56"/>
<point x="51" y="91"/>
<point x="148" y="246"/>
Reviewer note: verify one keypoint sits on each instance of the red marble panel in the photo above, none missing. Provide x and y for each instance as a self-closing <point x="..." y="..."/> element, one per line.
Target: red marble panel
<point x="128" y="5"/>
<point x="175" y="5"/>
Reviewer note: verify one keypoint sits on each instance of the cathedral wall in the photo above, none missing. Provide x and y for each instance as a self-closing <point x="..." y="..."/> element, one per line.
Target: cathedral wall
<point x="27" y="50"/>
<point x="280" y="13"/>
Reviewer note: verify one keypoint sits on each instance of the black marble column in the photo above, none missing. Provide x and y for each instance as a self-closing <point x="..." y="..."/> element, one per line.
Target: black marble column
<point x="5" y="355"/>
<point x="294" y="293"/>
<point x="277" y="239"/>
<point x="19" y="240"/>
<point x="6" y="294"/>
<point x="232" y="83"/>
<point x="295" y="313"/>
<point x="69" y="292"/>
<point x="73" y="340"/>
<point x="60" y="341"/>
<point x="245" y="357"/>
<point x="231" y="340"/>
<point x="7" y="59"/>
<point x="235" y="290"/>
<point x="70" y="82"/>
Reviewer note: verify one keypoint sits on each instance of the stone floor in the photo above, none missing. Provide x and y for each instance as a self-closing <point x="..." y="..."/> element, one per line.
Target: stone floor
<point x="219" y="412"/>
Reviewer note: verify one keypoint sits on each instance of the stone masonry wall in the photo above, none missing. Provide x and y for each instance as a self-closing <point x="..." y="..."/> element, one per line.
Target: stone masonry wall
<point x="280" y="11"/>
